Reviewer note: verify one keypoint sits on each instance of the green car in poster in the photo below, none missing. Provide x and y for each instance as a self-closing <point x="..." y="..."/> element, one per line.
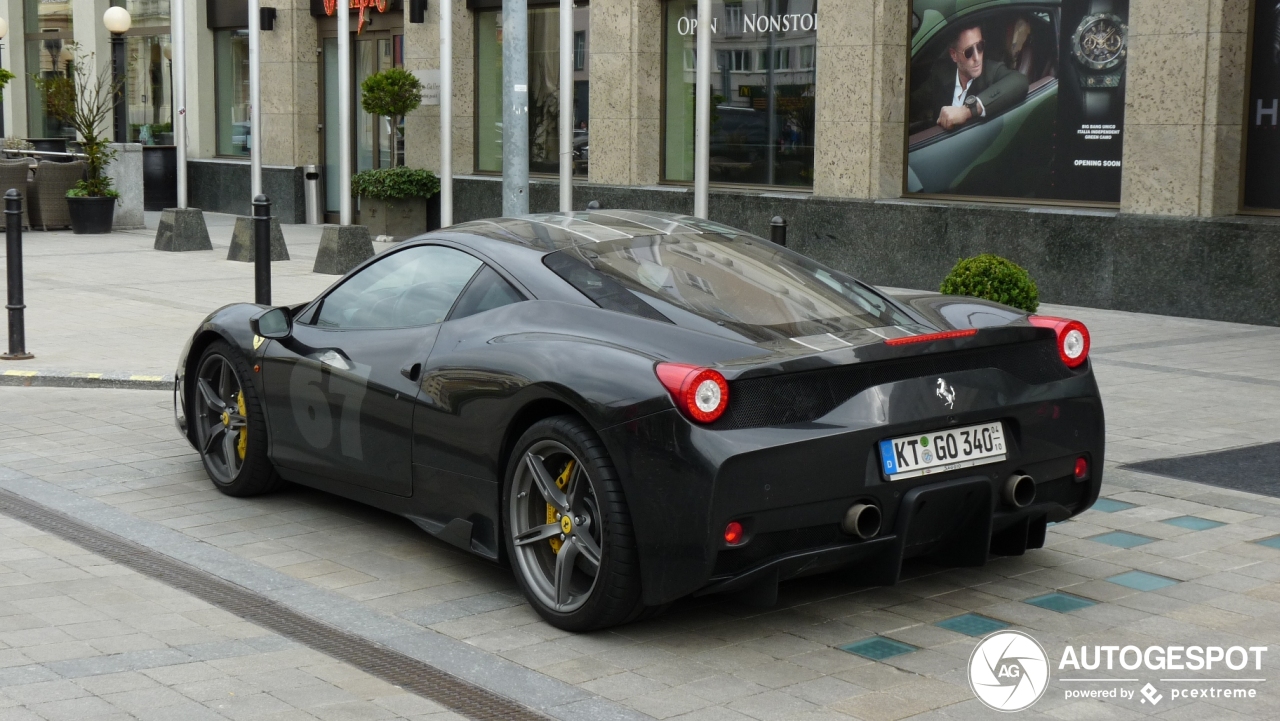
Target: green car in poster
<point x="1010" y="152"/>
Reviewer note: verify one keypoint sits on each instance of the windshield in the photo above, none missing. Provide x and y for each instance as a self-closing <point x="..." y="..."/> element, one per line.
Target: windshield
<point x="722" y="283"/>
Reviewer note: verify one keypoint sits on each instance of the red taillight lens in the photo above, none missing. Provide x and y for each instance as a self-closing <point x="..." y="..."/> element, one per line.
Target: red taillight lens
<point x="1073" y="338"/>
<point x="701" y="393"/>
<point x="733" y="533"/>
<point x="944" y="335"/>
<point x="1082" y="469"/>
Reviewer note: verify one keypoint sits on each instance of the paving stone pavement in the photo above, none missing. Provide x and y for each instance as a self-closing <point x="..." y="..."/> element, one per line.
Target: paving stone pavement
<point x="84" y="638"/>
<point x="1171" y="387"/>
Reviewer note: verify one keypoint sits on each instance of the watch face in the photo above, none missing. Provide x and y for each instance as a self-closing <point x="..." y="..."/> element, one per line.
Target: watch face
<point x="1101" y="41"/>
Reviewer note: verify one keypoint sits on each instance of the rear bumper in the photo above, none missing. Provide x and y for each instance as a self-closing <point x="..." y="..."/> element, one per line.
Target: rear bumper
<point x="790" y="486"/>
<point x="951" y="523"/>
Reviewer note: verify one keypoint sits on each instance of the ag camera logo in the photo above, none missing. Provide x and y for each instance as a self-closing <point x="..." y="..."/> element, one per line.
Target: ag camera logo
<point x="1008" y="671"/>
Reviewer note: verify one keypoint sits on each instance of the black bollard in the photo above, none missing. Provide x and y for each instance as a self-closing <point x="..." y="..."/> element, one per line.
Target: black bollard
<point x="778" y="231"/>
<point x="13" y="259"/>
<point x="262" y="250"/>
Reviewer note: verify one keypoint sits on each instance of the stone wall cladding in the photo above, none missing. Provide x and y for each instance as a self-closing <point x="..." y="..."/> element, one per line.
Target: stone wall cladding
<point x="1212" y="268"/>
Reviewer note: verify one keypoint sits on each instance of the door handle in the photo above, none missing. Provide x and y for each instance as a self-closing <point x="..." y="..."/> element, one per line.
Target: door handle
<point x="412" y="372"/>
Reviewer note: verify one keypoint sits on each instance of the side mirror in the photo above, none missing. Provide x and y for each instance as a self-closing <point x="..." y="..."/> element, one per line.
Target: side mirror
<point x="272" y="323"/>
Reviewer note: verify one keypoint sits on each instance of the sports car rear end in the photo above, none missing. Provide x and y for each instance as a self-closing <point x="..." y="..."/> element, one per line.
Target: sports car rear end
<point x="859" y="432"/>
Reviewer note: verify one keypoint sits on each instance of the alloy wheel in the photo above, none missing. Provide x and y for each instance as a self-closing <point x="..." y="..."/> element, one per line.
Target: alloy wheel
<point x="555" y="526"/>
<point x="222" y="423"/>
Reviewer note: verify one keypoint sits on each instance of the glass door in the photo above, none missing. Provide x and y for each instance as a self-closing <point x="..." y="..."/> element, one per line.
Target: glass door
<point x="329" y="109"/>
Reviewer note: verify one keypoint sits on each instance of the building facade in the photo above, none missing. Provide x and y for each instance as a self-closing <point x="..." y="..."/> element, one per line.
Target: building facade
<point x="1124" y="151"/>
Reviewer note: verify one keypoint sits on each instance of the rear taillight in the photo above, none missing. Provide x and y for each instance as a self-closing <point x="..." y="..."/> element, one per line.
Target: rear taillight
<point x="700" y="393"/>
<point x="1073" y="338"/>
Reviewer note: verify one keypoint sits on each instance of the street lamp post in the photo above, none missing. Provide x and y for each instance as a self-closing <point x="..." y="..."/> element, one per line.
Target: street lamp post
<point x="118" y="22"/>
<point x="4" y="32"/>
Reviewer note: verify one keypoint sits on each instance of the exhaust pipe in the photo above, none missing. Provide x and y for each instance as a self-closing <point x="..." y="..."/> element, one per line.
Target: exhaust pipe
<point x="862" y="520"/>
<point x="1019" y="490"/>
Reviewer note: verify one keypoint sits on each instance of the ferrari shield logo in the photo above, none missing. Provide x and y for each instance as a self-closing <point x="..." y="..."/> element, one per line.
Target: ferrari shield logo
<point x="947" y="394"/>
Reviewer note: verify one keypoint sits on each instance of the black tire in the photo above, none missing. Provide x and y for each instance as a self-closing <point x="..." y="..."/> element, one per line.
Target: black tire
<point x="232" y="440"/>
<point x="614" y="595"/>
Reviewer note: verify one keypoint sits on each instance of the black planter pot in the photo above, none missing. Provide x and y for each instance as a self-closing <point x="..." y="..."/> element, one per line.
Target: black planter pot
<point x="91" y="216"/>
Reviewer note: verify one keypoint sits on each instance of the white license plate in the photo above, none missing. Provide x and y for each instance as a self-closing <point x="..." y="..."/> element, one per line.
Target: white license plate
<point x="941" y="451"/>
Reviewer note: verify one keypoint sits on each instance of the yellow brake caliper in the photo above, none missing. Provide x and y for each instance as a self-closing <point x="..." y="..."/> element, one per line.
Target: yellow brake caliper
<point x="561" y="481"/>
<point x="243" y="443"/>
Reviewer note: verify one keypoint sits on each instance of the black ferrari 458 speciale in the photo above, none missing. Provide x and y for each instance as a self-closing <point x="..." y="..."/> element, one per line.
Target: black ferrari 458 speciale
<point x="631" y="407"/>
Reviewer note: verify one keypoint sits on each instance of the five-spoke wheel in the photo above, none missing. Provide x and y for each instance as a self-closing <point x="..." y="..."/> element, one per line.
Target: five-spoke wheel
<point x="554" y="526"/>
<point x="229" y="427"/>
<point x="568" y="529"/>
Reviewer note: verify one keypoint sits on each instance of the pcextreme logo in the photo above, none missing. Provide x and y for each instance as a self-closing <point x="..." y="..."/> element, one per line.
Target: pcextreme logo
<point x="1008" y="671"/>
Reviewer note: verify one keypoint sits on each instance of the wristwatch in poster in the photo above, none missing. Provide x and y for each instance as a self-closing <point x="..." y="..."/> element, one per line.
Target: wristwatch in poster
<point x="971" y="103"/>
<point x="1100" y="46"/>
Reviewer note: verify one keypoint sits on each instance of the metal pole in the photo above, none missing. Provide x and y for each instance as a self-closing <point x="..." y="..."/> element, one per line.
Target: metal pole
<point x="178" y="29"/>
<point x="771" y="88"/>
<point x="13" y="259"/>
<point x="446" y="113"/>
<point x="778" y="230"/>
<point x="255" y="97"/>
<point x="515" y="107"/>
<point x="261" y="250"/>
<point x="2" y="135"/>
<point x="118" y="77"/>
<point x="566" y="106"/>
<point x="344" y="112"/>
<point x="702" y="120"/>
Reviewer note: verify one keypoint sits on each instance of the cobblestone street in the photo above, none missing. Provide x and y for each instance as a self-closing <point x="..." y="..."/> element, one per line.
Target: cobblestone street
<point x="1159" y="561"/>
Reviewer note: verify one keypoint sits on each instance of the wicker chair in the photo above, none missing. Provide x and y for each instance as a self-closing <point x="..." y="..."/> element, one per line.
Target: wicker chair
<point x="49" y="193"/>
<point x="13" y="174"/>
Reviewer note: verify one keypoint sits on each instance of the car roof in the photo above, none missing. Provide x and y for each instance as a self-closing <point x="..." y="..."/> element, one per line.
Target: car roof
<point x="549" y="232"/>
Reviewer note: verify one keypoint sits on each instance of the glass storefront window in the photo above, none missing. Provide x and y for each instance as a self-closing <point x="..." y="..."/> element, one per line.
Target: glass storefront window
<point x="763" y="78"/>
<point x="149" y="78"/>
<point x="231" y="75"/>
<point x="49" y="34"/>
<point x="544" y="90"/>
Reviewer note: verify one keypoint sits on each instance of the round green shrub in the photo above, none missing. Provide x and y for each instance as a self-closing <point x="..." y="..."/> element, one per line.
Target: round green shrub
<point x="395" y="183"/>
<point x="991" y="277"/>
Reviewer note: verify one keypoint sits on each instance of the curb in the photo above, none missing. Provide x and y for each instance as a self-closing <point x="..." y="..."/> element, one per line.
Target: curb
<point x="64" y="379"/>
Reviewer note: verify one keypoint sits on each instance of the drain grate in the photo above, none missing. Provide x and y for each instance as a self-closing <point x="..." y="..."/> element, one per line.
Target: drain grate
<point x="391" y="666"/>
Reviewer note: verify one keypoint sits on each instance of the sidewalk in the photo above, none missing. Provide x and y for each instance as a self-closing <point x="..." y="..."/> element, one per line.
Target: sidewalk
<point x="1159" y="562"/>
<point x="111" y="304"/>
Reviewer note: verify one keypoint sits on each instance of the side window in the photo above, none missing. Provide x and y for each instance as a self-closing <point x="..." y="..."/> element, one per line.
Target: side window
<point x="413" y="287"/>
<point x="486" y="292"/>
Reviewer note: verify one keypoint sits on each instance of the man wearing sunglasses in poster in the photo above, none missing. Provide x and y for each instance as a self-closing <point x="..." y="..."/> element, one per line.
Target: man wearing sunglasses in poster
<point x="978" y="89"/>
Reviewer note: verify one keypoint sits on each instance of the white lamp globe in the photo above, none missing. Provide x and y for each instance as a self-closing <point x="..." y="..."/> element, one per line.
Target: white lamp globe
<point x="117" y="20"/>
<point x="168" y="52"/>
<point x="4" y="28"/>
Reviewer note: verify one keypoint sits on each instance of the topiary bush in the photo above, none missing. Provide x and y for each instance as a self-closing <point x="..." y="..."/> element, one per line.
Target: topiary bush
<point x="395" y="183"/>
<point x="993" y="278"/>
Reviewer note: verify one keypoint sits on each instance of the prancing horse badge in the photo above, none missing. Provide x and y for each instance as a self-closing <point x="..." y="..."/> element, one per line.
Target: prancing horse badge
<point x="947" y="394"/>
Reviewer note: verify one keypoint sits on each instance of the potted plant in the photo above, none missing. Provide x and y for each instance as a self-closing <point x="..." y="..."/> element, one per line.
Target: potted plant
<point x="393" y="201"/>
<point x="392" y="93"/>
<point x="87" y="110"/>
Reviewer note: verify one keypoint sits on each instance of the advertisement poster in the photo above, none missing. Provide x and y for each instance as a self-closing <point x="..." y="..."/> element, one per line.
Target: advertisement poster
<point x="1018" y="99"/>
<point x="1262" y="145"/>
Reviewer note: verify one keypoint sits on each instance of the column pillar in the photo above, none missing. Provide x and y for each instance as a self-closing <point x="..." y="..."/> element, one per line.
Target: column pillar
<point x="861" y="100"/>
<point x="626" y="91"/>
<point x="15" y="61"/>
<point x="422" y="126"/>
<point x="1184" y="107"/>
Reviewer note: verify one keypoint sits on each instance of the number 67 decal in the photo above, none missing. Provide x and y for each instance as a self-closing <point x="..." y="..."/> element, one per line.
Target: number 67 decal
<point x="315" y="389"/>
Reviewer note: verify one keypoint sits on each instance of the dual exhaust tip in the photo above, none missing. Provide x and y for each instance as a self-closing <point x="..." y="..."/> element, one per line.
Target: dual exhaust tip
<point x="1019" y="490"/>
<point x="863" y="520"/>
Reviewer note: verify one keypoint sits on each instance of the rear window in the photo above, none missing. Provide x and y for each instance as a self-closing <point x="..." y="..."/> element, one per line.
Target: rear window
<point x="745" y="285"/>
